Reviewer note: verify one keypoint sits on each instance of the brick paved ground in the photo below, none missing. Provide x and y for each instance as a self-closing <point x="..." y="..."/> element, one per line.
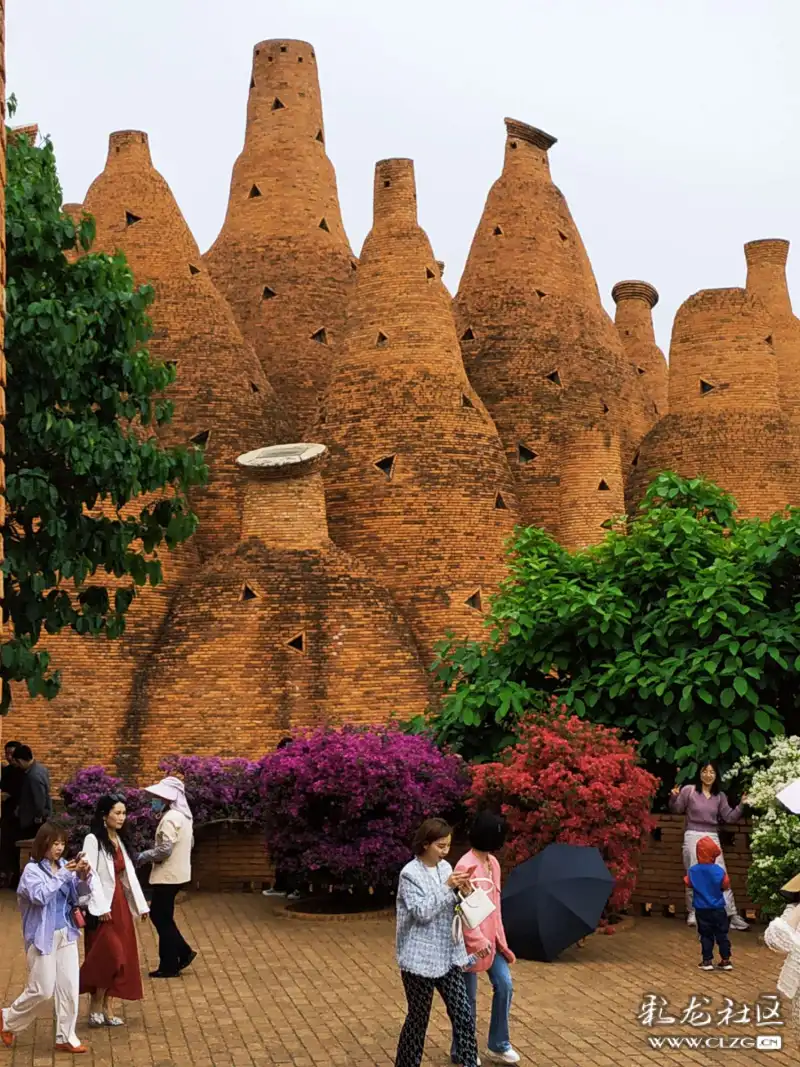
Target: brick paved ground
<point x="267" y="991"/>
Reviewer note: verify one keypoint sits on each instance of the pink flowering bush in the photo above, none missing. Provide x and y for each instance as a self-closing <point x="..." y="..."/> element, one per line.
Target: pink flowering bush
<point x="80" y="796"/>
<point x="341" y="806"/>
<point x="569" y="780"/>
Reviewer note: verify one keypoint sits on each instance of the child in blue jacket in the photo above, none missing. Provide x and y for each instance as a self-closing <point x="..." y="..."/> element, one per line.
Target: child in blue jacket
<point x="708" y="881"/>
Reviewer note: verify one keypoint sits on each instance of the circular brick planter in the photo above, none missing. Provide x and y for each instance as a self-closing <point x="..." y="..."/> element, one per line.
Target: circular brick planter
<point x="379" y="915"/>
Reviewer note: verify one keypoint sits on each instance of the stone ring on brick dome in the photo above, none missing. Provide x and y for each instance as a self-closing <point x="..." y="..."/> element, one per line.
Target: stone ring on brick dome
<point x="523" y="132"/>
<point x="634" y="290"/>
<point x="283" y="461"/>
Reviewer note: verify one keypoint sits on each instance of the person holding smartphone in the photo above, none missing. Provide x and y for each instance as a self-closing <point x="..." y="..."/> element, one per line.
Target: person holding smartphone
<point x="50" y="892"/>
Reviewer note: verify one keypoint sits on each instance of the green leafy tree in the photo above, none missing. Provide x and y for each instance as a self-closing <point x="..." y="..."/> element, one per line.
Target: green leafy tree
<point x="682" y="629"/>
<point x="81" y="408"/>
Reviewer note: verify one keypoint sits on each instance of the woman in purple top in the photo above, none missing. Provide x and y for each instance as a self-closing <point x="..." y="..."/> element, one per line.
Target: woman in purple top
<point x="49" y="891"/>
<point x="705" y="809"/>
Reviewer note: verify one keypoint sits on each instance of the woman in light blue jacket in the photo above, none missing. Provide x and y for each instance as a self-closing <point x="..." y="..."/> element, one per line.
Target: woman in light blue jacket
<point x="429" y="957"/>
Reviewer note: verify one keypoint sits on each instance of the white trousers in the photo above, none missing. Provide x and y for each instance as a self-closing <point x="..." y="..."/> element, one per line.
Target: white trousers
<point x="690" y="839"/>
<point x="52" y="977"/>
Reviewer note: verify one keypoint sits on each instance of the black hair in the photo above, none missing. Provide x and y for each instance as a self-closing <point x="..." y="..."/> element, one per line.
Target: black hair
<point x="488" y="832"/>
<point x="698" y="782"/>
<point x="284" y="741"/>
<point x="98" y="824"/>
<point x="12" y="745"/>
<point x="23" y="752"/>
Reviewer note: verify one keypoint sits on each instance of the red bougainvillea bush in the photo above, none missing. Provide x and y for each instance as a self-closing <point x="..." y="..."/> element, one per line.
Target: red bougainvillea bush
<point x="572" y="781"/>
<point x="342" y="805"/>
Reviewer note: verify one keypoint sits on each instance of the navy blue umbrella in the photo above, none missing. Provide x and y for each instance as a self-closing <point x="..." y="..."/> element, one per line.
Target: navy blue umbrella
<point x="554" y="899"/>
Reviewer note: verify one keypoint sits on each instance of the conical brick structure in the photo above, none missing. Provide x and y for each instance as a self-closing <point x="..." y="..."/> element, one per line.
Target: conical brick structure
<point x="222" y="398"/>
<point x="766" y="280"/>
<point x="724" y="419"/>
<point x="635" y="301"/>
<point x="290" y="631"/>
<point x="282" y="259"/>
<point x="418" y="486"/>
<point x="537" y="344"/>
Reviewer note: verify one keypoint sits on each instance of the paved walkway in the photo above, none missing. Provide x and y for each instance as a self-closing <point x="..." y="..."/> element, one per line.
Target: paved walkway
<point x="267" y="991"/>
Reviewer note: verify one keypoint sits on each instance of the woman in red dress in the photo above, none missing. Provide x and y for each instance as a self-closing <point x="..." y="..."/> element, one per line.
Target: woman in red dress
<point x="111" y="966"/>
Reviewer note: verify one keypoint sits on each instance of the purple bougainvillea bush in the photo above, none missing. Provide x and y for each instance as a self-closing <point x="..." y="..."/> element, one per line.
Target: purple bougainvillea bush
<point x="84" y="789"/>
<point x="219" y="790"/>
<point x="341" y="806"/>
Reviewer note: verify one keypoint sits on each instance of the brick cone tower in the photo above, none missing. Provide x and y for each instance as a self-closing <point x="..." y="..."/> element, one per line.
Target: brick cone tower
<point x="313" y="639"/>
<point x="222" y="398"/>
<point x="724" y="419"/>
<point x="537" y="344"/>
<point x="766" y="280"/>
<point x="635" y="301"/>
<point x="418" y="486"/>
<point x="282" y="259"/>
<point x="592" y="490"/>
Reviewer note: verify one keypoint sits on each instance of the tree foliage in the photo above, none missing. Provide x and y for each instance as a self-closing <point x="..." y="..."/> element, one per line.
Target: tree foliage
<point x="81" y="412"/>
<point x="682" y="630"/>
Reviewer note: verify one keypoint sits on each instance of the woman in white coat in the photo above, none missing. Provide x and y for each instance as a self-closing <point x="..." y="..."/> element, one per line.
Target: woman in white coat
<point x="111" y="966"/>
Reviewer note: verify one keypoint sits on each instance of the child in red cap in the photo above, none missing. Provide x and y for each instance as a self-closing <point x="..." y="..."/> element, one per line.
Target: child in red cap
<point x="708" y="881"/>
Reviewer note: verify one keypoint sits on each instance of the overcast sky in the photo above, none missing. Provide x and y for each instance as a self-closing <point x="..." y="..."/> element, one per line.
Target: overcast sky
<point x="677" y="120"/>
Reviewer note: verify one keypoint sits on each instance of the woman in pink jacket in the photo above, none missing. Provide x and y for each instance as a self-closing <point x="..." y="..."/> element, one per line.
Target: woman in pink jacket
<point x="487" y="835"/>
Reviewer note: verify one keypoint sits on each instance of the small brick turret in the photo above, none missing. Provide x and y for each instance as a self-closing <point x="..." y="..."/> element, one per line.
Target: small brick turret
<point x="724" y="419"/>
<point x="418" y="486"/>
<point x="282" y="259"/>
<point x="285" y="629"/>
<point x="537" y="344"/>
<point x="635" y="301"/>
<point x="766" y="280"/>
<point x="222" y="399"/>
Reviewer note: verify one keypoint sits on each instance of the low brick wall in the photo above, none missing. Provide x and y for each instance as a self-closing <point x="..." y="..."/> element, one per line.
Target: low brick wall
<point x="225" y="860"/>
<point x="660" y="883"/>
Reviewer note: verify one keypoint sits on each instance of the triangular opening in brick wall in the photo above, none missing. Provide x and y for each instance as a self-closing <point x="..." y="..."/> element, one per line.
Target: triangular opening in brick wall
<point x="606" y="408"/>
<point x="429" y="274"/>
<point x="540" y="294"/>
<point x="603" y="486"/>
<point x="171" y="363"/>
<point x="193" y="269"/>
<point x="641" y="370"/>
<point x="705" y="387"/>
<point x="554" y="377"/>
<point x="466" y="402"/>
<point x="321" y="336"/>
<point x="635" y="460"/>
<point x="298" y="643"/>
<point x="323" y="225"/>
<point x="499" y="503"/>
<point x="498" y="231"/>
<point x="386" y="466"/>
<point x="254" y="388"/>
<point x="252" y="83"/>
<point x="475" y="601"/>
<point x="769" y="340"/>
<point x="468" y="334"/>
<point x="201" y="439"/>
<point x="278" y="105"/>
<point x="525" y="454"/>
<point x="267" y="293"/>
<point x="353" y="265"/>
<point x="655" y="409"/>
<point x="562" y="235"/>
<point x="131" y="219"/>
<point x="320" y="137"/>
<point x="254" y="192"/>
<point x="381" y="341"/>
<point x="248" y="593"/>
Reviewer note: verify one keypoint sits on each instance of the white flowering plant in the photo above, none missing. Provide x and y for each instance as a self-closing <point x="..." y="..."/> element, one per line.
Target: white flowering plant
<point x="775" y="837"/>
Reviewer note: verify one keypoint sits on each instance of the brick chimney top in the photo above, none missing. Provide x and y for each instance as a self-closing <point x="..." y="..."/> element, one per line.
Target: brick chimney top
<point x="284" y="500"/>
<point x="283" y="461"/>
<point x="283" y="51"/>
<point x="521" y="131"/>
<point x="635" y="290"/>
<point x="395" y="195"/>
<point x="129" y="143"/>
<point x="768" y="250"/>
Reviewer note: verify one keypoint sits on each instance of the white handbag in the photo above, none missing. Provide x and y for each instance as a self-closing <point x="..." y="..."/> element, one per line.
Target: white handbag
<point x="473" y="909"/>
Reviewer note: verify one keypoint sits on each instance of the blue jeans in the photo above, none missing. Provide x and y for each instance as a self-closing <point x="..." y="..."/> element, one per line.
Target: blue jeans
<point x="500" y="977"/>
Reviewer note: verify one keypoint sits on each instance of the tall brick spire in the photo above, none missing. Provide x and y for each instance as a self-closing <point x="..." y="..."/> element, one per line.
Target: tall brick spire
<point x="766" y="280"/>
<point x="537" y="344"/>
<point x="418" y="486"/>
<point x="282" y="258"/>
<point x="635" y="301"/>
<point x="313" y="638"/>
<point x="222" y="397"/>
<point x="724" y="418"/>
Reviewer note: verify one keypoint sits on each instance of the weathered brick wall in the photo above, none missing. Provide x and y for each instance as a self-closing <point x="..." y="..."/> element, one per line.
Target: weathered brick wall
<point x="282" y="258"/>
<point x="226" y="860"/>
<point x="418" y="486"/>
<point x="724" y="418"/>
<point x="766" y="281"/>
<point x="284" y="630"/>
<point x="538" y="346"/>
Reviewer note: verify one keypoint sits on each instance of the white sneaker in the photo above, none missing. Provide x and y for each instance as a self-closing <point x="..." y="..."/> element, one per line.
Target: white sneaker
<point x="511" y="1056"/>
<point x="272" y="893"/>
<point x="96" y="1018"/>
<point x="691" y="919"/>
<point x="738" y="923"/>
<point x="293" y="896"/>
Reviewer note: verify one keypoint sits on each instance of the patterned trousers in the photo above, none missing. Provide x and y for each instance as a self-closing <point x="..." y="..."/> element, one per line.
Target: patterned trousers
<point x="419" y="993"/>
